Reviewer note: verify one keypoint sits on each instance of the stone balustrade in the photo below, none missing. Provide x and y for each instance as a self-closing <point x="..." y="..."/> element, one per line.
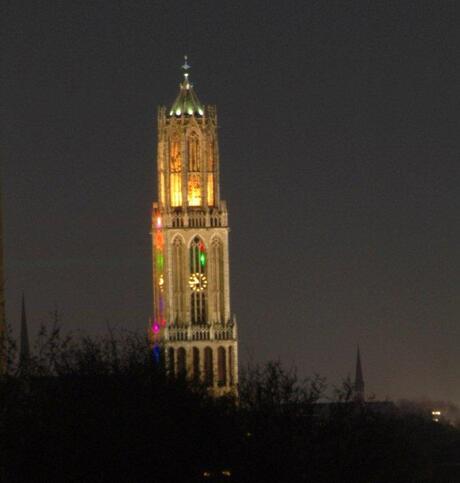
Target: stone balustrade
<point x="189" y="332"/>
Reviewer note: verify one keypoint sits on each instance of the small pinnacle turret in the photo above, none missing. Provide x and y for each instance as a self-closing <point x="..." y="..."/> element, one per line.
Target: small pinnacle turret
<point x="187" y="102"/>
<point x="359" y="380"/>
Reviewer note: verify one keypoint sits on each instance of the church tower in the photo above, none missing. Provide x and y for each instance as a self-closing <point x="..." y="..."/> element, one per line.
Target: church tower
<point x="192" y="327"/>
<point x="359" y="379"/>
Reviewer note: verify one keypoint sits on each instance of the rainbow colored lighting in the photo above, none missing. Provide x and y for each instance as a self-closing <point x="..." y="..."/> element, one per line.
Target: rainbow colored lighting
<point x="159" y="317"/>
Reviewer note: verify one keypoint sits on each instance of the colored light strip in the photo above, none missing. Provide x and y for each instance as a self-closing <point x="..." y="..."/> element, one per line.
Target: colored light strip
<point x="159" y="321"/>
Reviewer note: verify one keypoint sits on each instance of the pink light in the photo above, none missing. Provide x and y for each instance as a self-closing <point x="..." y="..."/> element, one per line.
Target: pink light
<point x="159" y="222"/>
<point x="156" y="328"/>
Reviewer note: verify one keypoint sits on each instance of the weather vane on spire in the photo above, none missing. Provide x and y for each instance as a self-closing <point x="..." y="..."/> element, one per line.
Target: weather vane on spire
<point x="186" y="65"/>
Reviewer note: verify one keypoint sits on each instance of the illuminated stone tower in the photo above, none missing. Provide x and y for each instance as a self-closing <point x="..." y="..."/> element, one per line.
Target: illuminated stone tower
<point x="192" y="318"/>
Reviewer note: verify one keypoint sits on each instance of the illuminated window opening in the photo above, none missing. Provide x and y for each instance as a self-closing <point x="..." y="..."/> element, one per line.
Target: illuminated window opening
<point x="194" y="169"/>
<point x="176" y="173"/>
<point x="210" y="189"/>
<point x="211" y="169"/>
<point x="194" y="190"/>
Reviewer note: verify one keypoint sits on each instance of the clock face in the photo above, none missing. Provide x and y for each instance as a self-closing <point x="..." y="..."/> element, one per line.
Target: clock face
<point x="198" y="282"/>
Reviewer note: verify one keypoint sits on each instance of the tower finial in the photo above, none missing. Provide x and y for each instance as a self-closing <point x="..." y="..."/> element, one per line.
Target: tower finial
<point x="186" y="65"/>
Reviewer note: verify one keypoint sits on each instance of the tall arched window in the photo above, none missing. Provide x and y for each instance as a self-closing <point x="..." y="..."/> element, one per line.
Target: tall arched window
<point x="208" y="367"/>
<point x="231" y="376"/>
<point x="211" y="170"/>
<point x="178" y="279"/>
<point x="217" y="272"/>
<point x="196" y="364"/>
<point x="181" y="363"/>
<point x="171" y="365"/>
<point x="198" y="281"/>
<point x="161" y="169"/>
<point x="194" y="171"/>
<point x="221" y="367"/>
<point x="175" y="171"/>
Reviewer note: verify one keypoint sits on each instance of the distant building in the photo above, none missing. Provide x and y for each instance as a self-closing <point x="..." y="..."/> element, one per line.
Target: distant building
<point x="192" y="326"/>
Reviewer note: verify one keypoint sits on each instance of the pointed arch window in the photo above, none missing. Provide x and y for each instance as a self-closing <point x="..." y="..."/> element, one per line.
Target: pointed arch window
<point x="175" y="171"/>
<point x="208" y="367"/>
<point x="217" y="272"/>
<point x="221" y="367"/>
<point x="178" y="280"/>
<point x="161" y="169"/>
<point x="171" y="365"/>
<point x="230" y="366"/>
<point x="196" y="364"/>
<point x="211" y="173"/>
<point x="198" y="281"/>
<point x="194" y="170"/>
<point x="181" y="362"/>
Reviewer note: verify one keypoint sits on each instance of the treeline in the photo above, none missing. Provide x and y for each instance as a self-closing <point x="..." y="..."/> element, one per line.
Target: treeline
<point x="97" y="410"/>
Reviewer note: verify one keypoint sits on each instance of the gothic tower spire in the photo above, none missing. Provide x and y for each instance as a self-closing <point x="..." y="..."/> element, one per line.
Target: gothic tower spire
<point x="24" y="352"/>
<point x="191" y="288"/>
<point x="359" y="380"/>
<point x="3" y="355"/>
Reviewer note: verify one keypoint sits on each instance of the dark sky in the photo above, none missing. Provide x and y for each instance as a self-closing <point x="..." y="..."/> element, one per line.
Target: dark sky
<point x="339" y="141"/>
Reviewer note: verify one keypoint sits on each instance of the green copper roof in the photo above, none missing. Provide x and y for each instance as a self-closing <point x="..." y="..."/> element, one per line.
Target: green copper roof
<point x="187" y="102"/>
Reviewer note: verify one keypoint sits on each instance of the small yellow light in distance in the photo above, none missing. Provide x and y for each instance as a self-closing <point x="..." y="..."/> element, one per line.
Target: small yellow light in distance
<point x="171" y="113"/>
<point x="190" y="112"/>
<point x="200" y="112"/>
<point x="178" y="111"/>
<point x="226" y="472"/>
<point x="159" y="222"/>
<point x="206" y="474"/>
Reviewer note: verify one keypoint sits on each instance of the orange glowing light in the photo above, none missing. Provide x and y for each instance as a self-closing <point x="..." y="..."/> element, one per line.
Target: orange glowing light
<point x="194" y="190"/>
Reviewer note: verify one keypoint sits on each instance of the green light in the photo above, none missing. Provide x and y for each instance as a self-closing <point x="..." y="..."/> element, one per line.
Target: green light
<point x="202" y="259"/>
<point x="160" y="261"/>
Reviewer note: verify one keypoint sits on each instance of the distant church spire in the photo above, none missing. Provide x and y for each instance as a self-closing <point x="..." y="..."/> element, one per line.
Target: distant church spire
<point x="24" y="353"/>
<point x="3" y="354"/>
<point x="359" y="380"/>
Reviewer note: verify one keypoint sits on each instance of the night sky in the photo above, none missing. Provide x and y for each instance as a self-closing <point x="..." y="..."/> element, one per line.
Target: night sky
<point x="339" y="141"/>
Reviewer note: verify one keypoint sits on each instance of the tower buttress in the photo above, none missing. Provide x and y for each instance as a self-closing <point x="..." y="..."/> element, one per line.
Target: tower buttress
<point x="192" y="321"/>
